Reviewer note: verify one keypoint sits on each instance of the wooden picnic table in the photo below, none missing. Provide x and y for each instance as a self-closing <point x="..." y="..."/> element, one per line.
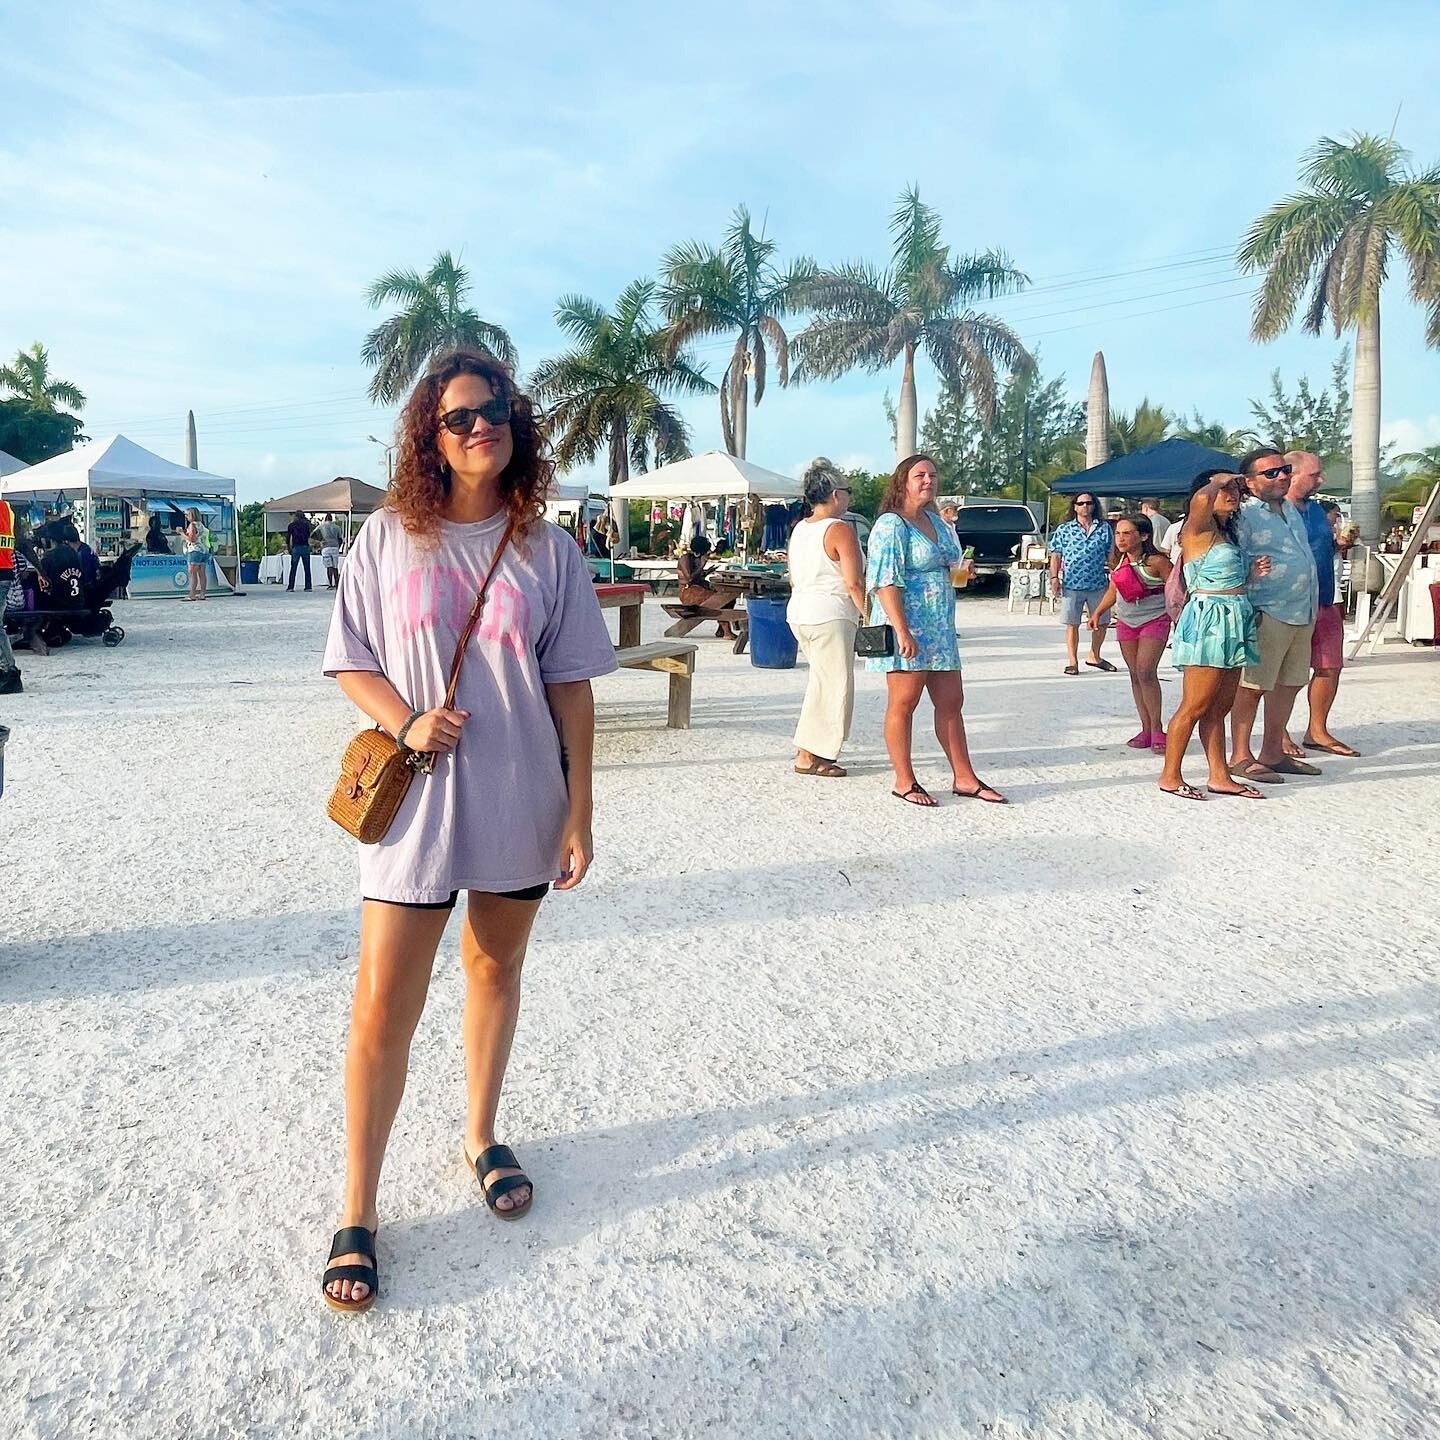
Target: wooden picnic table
<point x="751" y="582"/>
<point x="629" y="600"/>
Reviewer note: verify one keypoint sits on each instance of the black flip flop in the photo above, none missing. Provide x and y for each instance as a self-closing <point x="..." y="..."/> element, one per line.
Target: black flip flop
<point x="979" y="794"/>
<point x="501" y="1157"/>
<point x="1348" y="751"/>
<point x="916" y="789"/>
<point x="352" y="1240"/>
<point x="1072" y="669"/>
<point x="1104" y="665"/>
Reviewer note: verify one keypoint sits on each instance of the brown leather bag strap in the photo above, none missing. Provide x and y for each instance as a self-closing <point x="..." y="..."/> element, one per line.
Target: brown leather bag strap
<point x="474" y="620"/>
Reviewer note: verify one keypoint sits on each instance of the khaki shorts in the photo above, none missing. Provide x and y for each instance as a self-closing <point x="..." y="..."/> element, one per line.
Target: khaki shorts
<point x="1284" y="655"/>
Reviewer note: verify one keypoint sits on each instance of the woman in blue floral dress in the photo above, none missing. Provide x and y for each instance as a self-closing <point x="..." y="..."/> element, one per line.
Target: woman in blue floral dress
<point x="911" y="552"/>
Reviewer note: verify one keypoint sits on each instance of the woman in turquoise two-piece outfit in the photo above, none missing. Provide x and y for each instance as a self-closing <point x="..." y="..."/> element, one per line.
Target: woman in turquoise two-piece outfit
<point x="908" y="572"/>
<point x="1215" y="637"/>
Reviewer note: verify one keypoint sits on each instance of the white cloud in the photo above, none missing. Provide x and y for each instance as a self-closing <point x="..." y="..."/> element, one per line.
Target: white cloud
<point x="1407" y="435"/>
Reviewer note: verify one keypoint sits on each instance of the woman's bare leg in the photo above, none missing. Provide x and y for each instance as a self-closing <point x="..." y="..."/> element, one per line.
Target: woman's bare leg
<point x="1148" y="654"/>
<point x="903" y="691"/>
<point x="947" y="695"/>
<point x="1130" y="649"/>
<point x="1197" y="693"/>
<point x="492" y="949"/>
<point x="397" y="951"/>
<point x="1212" y="731"/>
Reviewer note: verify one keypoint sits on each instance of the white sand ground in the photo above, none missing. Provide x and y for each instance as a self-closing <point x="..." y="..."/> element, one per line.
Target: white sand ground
<point x="1101" y="1115"/>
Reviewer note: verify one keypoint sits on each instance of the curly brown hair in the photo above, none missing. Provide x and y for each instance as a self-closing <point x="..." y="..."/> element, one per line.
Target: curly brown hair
<point x="422" y="478"/>
<point x="894" y="495"/>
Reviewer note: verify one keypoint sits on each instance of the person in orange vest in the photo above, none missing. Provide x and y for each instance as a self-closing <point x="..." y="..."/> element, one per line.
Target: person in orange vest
<point x="10" y="682"/>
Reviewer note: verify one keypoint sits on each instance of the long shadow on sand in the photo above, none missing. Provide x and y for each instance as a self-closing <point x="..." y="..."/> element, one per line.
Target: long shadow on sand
<point x="118" y="962"/>
<point x="589" y="1182"/>
<point x="1116" y="1318"/>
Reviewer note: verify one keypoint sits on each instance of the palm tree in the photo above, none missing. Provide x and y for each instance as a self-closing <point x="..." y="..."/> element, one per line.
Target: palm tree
<point x="1214" y="434"/>
<point x="433" y="317"/>
<point x="1422" y="475"/>
<point x="1128" y="433"/>
<point x="869" y="317"/>
<point x="28" y="380"/>
<point x="1361" y="205"/>
<point x="607" y="393"/>
<point x="735" y="289"/>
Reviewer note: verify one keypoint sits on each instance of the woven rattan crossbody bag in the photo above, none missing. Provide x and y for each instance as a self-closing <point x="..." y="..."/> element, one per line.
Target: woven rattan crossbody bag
<point x="376" y="771"/>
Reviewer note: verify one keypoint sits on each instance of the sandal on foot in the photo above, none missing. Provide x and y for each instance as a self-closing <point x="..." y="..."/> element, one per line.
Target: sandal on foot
<point x="981" y="792"/>
<point x="1286" y="766"/>
<point x="826" y="769"/>
<point x="1104" y="665"/>
<point x="501" y="1157"/>
<point x="1245" y="792"/>
<point x="1072" y="669"/>
<point x="1254" y="770"/>
<point x="1183" y="792"/>
<point x="928" y="803"/>
<point x="352" y="1240"/>
<point x="1338" y="748"/>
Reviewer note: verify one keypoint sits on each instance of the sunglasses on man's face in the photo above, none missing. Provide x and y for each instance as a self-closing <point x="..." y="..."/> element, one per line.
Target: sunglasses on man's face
<point x="1276" y="471"/>
<point x="1084" y="504"/>
<point x="462" y="421"/>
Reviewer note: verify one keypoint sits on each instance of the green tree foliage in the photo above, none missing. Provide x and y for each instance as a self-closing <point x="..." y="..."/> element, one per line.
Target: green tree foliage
<point x="35" y="414"/>
<point x="739" y="290"/>
<point x="1146" y="425"/>
<point x="1035" y="427"/>
<point x="1215" y="434"/>
<point x="607" y="394"/>
<point x="1307" y="419"/>
<point x="433" y="317"/>
<point x="252" y="530"/>
<point x="866" y="490"/>
<point x="869" y="318"/>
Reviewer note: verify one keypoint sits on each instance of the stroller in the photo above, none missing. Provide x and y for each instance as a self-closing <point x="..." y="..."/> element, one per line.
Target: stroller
<point x="42" y="629"/>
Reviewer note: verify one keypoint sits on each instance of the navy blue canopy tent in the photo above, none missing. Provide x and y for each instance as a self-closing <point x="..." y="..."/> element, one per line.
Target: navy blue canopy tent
<point x="1165" y="468"/>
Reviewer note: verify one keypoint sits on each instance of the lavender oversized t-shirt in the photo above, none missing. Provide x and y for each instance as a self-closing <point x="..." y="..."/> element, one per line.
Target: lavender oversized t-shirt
<point x="489" y="816"/>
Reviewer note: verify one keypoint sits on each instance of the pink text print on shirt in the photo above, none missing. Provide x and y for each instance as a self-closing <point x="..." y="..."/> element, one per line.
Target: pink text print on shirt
<point x="442" y="595"/>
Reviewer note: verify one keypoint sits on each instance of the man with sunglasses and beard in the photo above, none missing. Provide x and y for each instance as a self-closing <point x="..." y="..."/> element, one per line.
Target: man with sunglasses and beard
<point x="1287" y="599"/>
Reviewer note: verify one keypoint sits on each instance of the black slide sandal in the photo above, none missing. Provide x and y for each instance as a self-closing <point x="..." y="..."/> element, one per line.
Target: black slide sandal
<point x="501" y="1157"/>
<point x="352" y="1240"/>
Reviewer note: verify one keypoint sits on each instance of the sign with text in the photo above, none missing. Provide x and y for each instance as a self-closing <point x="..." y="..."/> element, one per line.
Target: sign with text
<point x="168" y="575"/>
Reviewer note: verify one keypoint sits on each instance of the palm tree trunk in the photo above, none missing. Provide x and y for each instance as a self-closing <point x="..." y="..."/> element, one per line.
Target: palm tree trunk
<point x="1365" y="439"/>
<point x="906" y="419"/>
<point x="619" y="472"/>
<point x="741" y="416"/>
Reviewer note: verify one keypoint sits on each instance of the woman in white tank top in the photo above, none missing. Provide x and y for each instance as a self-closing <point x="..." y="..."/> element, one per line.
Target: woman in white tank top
<point x="827" y="596"/>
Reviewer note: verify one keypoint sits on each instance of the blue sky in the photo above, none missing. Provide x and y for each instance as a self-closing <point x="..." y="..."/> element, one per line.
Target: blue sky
<point x="195" y="198"/>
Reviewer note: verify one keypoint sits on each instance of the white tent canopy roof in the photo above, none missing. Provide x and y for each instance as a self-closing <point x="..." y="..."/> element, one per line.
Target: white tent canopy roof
<point x="711" y="476"/>
<point x="114" y="466"/>
<point x="344" y="494"/>
<point x="9" y="465"/>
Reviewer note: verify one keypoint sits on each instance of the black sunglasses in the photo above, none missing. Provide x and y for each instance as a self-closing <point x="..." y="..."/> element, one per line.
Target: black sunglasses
<point x="492" y="412"/>
<point x="1276" y="471"/>
<point x="1088" y="503"/>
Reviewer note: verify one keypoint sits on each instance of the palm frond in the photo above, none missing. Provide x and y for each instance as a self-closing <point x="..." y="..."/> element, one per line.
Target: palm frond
<point x="916" y="228"/>
<point x="985" y="276"/>
<point x="771" y="330"/>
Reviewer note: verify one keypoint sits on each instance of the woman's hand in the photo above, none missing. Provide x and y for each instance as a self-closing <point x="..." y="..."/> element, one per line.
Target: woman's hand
<point x="436" y="731"/>
<point x="905" y="645"/>
<point x="1096" y="616"/>
<point x="1259" y="568"/>
<point x="577" y="850"/>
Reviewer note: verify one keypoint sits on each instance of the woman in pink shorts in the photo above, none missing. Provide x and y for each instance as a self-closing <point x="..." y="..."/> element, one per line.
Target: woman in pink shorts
<point x="1138" y="572"/>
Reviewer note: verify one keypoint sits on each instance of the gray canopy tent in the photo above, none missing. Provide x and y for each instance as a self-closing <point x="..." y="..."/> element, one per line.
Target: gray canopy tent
<point x="344" y="495"/>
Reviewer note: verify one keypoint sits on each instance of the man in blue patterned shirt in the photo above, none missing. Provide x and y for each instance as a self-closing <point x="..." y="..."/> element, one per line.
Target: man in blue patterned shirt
<point x="1287" y="598"/>
<point x="1079" y="551"/>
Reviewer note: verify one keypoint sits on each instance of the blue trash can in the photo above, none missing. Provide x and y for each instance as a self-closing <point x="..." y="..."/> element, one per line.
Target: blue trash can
<point x="772" y="641"/>
<point x="249" y="572"/>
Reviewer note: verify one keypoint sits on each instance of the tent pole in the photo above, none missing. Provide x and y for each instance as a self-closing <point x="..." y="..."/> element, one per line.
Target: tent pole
<point x="235" y="512"/>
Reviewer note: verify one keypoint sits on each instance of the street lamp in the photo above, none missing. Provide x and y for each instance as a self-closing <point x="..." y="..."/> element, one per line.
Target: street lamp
<point x="389" y="460"/>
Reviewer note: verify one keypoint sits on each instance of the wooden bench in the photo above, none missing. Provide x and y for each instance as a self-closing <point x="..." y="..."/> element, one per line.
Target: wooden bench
<point x="676" y="659"/>
<point x="687" y="617"/>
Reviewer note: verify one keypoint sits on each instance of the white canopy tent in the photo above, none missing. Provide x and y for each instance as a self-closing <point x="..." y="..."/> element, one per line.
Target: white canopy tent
<point x="115" y="468"/>
<point x="711" y="476"/>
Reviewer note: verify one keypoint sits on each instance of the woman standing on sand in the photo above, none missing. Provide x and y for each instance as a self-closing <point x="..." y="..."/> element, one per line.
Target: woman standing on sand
<point x="197" y="554"/>
<point x="1138" y="572"/>
<point x="912" y="554"/>
<point x="1215" y="637"/>
<point x="827" y="598"/>
<point x="507" y="809"/>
